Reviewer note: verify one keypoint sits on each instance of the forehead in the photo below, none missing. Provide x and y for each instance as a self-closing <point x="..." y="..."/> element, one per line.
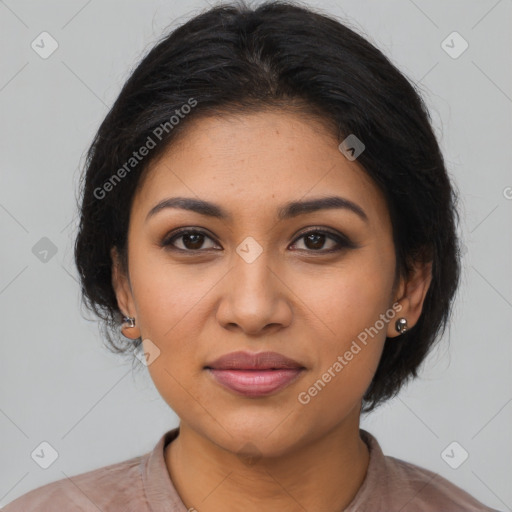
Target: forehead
<point x="255" y="161"/>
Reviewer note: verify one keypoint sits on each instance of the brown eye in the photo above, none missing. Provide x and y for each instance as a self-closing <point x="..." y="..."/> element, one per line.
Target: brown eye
<point x="191" y="240"/>
<point x="315" y="240"/>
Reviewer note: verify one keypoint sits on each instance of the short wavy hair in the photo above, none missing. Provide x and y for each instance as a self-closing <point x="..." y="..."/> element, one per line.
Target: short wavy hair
<point x="238" y="59"/>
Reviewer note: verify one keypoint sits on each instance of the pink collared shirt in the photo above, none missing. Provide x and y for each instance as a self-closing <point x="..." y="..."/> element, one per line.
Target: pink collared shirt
<point x="143" y="484"/>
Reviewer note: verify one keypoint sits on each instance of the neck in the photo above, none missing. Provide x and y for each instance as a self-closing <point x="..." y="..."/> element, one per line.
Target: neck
<point x="322" y="475"/>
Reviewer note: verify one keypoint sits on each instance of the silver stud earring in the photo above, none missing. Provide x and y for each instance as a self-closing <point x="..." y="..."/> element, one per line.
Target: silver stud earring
<point x="401" y="325"/>
<point x="130" y="320"/>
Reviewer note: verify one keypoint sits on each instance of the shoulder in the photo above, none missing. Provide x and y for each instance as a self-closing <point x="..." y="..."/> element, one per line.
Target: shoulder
<point x="109" y="488"/>
<point x="395" y="484"/>
<point x="426" y="490"/>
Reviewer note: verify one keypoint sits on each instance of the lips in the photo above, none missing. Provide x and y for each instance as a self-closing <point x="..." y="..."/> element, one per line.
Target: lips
<point x="255" y="361"/>
<point x="254" y="375"/>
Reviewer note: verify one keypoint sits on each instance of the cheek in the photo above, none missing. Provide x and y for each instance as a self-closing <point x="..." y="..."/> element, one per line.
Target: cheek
<point x="348" y="356"/>
<point x="351" y="334"/>
<point x="167" y="294"/>
<point x="349" y="298"/>
<point x="170" y="303"/>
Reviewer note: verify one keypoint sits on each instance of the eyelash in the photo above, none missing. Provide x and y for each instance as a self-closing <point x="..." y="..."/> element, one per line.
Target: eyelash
<point x="342" y="241"/>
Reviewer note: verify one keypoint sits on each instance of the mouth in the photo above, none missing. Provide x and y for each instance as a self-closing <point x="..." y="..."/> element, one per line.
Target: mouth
<point x="256" y="383"/>
<point x="255" y="375"/>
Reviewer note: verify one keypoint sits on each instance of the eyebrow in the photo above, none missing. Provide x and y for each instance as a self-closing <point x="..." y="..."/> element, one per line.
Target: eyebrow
<point x="287" y="211"/>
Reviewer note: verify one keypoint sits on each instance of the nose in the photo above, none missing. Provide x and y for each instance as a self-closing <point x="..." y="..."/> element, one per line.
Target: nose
<point x="255" y="298"/>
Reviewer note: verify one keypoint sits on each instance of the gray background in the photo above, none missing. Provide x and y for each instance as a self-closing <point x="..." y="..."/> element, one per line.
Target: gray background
<point x="57" y="383"/>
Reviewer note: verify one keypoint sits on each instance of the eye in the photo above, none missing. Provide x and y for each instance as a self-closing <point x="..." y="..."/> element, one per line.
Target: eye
<point x="192" y="240"/>
<point x="315" y="239"/>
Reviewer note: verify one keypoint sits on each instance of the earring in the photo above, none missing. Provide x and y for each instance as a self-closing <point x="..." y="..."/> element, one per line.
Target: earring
<point x="401" y="325"/>
<point x="131" y="323"/>
<point x="130" y="320"/>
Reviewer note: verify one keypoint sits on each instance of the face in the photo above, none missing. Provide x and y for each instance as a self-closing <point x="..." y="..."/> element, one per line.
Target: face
<point x="306" y="285"/>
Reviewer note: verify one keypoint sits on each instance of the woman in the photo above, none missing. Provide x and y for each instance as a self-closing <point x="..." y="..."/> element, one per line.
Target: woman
<point x="267" y="216"/>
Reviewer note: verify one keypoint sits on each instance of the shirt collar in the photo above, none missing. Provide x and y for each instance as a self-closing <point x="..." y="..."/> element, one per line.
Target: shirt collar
<point x="160" y="493"/>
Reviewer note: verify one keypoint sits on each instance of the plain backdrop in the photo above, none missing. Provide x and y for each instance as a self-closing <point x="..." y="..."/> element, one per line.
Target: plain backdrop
<point x="59" y="385"/>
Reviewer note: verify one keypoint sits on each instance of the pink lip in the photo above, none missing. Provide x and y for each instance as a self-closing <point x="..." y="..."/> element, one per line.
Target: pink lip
<point x="255" y="383"/>
<point x="253" y="361"/>
<point x="254" y="374"/>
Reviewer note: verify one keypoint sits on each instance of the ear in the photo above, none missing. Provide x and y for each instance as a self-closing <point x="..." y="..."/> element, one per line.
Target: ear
<point x="411" y="295"/>
<point x="123" y="291"/>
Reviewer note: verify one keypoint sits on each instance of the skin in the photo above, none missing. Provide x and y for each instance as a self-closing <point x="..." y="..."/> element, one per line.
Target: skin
<point x="294" y="299"/>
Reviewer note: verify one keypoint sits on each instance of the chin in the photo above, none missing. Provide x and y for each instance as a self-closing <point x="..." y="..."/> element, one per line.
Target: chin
<point x="254" y="434"/>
